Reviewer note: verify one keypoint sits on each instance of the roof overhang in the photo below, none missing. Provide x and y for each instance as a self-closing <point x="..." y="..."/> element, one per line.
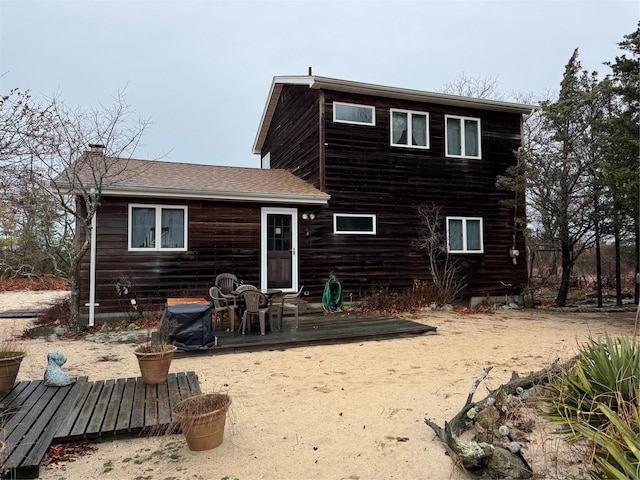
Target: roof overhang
<point x="226" y="196"/>
<point x="380" y="91"/>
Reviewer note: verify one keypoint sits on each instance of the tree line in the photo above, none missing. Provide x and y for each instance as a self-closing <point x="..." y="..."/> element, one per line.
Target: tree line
<point x="579" y="168"/>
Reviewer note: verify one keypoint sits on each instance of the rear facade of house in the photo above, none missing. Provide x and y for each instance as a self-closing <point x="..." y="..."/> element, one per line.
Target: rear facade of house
<point x="370" y="157"/>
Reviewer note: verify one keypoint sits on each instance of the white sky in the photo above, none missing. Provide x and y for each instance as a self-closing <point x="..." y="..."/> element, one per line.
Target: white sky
<point x="202" y="69"/>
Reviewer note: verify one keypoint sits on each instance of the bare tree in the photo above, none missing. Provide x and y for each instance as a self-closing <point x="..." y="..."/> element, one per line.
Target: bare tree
<point x="79" y="154"/>
<point x="474" y="87"/>
<point x="443" y="269"/>
<point x="28" y="217"/>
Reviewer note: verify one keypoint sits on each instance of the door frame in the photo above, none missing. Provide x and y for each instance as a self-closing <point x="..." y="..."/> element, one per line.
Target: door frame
<point x="293" y="212"/>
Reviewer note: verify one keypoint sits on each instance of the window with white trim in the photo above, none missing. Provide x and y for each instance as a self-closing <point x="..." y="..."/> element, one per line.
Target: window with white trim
<point x="464" y="235"/>
<point x="354" y="224"/>
<point x="145" y="221"/>
<point x="353" y="113"/>
<point x="462" y="136"/>
<point x="409" y="128"/>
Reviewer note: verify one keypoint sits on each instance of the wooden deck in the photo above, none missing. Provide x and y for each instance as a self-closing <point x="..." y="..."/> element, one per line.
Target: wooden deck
<point x="35" y="415"/>
<point x="320" y="329"/>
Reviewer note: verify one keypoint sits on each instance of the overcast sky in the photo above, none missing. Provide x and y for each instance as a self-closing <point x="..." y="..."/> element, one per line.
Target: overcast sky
<point x="202" y="69"/>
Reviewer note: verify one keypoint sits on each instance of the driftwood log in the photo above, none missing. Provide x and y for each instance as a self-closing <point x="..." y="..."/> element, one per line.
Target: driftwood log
<point x="478" y="438"/>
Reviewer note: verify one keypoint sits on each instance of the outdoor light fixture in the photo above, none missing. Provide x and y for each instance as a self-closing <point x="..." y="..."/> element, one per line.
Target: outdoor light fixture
<point x="308" y="216"/>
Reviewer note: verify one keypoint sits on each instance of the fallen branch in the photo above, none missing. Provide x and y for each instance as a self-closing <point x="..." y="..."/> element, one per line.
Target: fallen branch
<point x="477" y="438"/>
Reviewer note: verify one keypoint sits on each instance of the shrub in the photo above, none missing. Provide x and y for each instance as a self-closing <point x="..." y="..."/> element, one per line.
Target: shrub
<point x="598" y="399"/>
<point x="393" y="302"/>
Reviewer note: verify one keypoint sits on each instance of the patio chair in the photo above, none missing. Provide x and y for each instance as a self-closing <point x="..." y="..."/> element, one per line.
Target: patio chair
<point x="227" y="283"/>
<point x="223" y="304"/>
<point x="289" y="300"/>
<point x="245" y="287"/>
<point x="255" y="303"/>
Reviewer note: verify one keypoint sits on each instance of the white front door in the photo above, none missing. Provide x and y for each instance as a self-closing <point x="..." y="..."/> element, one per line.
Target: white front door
<point x="279" y="249"/>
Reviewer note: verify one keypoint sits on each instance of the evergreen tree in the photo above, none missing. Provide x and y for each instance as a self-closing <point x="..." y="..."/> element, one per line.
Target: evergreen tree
<point x="559" y="161"/>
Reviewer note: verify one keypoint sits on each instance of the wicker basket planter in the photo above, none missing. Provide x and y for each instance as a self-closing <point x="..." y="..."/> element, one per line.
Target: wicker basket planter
<point x="202" y="419"/>
<point x="9" y="367"/>
<point x="154" y="365"/>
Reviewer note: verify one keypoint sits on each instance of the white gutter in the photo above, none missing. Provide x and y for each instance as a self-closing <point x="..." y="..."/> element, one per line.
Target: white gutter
<point x="283" y="198"/>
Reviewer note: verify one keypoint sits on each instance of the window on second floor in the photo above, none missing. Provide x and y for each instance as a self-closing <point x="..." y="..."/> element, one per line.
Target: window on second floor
<point x="146" y="220"/>
<point x="409" y="129"/>
<point x="464" y="235"/>
<point x="354" y="224"/>
<point x="462" y="136"/>
<point x="352" y="113"/>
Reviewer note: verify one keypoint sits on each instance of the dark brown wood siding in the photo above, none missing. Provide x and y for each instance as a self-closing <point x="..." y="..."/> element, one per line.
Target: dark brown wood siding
<point x="364" y="174"/>
<point x="222" y="237"/>
<point x="293" y="140"/>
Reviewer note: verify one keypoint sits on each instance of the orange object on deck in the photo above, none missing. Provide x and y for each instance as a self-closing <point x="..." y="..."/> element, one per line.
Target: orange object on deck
<point x="175" y="301"/>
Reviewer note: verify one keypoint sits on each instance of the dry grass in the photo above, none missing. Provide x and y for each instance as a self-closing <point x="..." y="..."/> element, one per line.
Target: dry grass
<point x="201" y="404"/>
<point x="46" y="282"/>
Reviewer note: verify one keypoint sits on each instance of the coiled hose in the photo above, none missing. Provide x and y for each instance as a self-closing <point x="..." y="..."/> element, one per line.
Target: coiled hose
<point x="332" y="296"/>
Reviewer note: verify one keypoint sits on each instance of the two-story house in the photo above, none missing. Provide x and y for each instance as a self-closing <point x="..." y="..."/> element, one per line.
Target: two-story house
<point x="381" y="152"/>
<point x="345" y="166"/>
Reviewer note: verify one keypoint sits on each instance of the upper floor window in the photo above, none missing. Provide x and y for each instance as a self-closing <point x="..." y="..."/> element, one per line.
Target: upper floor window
<point x="354" y="223"/>
<point x="145" y="221"/>
<point x="462" y="136"/>
<point x="409" y="129"/>
<point x="351" y="113"/>
<point x="464" y="235"/>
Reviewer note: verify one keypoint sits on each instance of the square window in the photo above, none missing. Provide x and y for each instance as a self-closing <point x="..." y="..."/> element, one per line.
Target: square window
<point x="352" y="113"/>
<point x="409" y="129"/>
<point x="354" y="224"/>
<point x="464" y="235"/>
<point x="462" y="137"/>
<point x="146" y="220"/>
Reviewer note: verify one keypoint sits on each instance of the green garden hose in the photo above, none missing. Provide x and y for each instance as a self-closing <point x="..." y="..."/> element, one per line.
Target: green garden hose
<point x="332" y="296"/>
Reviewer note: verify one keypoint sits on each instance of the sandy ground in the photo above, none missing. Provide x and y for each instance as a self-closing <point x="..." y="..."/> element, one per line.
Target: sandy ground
<point x="351" y="411"/>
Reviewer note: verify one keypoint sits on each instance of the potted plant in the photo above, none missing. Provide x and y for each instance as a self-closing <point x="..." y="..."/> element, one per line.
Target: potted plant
<point x="202" y="419"/>
<point x="10" y="359"/>
<point x="155" y="355"/>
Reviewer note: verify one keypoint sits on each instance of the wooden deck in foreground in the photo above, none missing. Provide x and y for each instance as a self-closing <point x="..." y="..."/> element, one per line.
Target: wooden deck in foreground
<point x="320" y="329"/>
<point x="35" y="415"/>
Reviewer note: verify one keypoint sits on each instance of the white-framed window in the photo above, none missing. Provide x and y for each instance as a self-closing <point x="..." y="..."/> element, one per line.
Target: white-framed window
<point x="354" y="224"/>
<point x="146" y="220"/>
<point x="353" y="113"/>
<point x="462" y="136"/>
<point x="464" y="235"/>
<point x="409" y="128"/>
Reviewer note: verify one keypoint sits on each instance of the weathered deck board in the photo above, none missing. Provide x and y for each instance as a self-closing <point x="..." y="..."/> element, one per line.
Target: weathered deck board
<point x="111" y="415"/>
<point x="37" y="415"/>
<point x="126" y="406"/>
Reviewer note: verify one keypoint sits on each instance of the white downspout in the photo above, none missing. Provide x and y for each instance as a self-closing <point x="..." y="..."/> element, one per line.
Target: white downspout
<point x="92" y="273"/>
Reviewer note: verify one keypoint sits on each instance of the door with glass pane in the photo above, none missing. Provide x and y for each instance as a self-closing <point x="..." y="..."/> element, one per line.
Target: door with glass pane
<point x="279" y="248"/>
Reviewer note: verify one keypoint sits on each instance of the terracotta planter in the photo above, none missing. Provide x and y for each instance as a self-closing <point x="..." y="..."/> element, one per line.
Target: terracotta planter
<point x="9" y="367"/>
<point x="202" y="419"/>
<point x="154" y="366"/>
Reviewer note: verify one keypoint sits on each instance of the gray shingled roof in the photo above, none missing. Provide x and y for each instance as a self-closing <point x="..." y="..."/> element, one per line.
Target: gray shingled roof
<point x="186" y="180"/>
